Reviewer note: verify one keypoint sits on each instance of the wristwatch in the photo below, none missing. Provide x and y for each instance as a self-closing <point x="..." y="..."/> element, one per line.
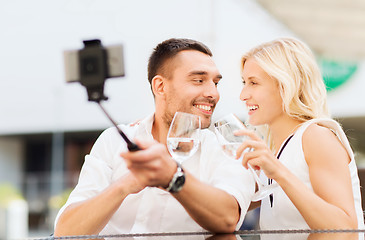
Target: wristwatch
<point x="177" y="181"/>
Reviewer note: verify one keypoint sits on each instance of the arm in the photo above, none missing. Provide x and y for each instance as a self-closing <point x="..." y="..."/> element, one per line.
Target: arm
<point x="91" y="216"/>
<point x="330" y="205"/>
<point x="212" y="208"/>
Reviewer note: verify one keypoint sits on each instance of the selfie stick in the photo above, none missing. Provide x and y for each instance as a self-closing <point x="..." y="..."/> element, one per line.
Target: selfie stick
<point x="131" y="145"/>
<point x="93" y="72"/>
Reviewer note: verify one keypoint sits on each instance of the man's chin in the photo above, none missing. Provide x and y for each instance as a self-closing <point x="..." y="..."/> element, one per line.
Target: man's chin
<point x="205" y="123"/>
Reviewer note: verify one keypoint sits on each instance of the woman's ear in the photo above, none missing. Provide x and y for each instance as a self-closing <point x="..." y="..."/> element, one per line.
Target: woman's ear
<point x="158" y="85"/>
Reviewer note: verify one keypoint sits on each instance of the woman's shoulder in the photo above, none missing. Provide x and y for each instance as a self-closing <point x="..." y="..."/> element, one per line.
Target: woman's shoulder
<point x="320" y="142"/>
<point x="318" y="132"/>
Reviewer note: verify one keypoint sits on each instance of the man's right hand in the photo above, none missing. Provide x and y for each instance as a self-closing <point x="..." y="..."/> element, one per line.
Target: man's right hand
<point x="152" y="166"/>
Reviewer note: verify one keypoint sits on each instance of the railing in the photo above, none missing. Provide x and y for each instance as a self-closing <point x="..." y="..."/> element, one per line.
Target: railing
<point x="38" y="191"/>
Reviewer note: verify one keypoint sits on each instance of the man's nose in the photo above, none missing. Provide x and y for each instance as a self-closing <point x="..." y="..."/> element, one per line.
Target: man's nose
<point x="211" y="91"/>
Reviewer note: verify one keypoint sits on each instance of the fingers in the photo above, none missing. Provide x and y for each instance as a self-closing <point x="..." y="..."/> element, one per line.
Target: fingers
<point x="251" y="134"/>
<point x="247" y="146"/>
<point x="252" y="158"/>
<point x="144" y="154"/>
<point x="153" y="165"/>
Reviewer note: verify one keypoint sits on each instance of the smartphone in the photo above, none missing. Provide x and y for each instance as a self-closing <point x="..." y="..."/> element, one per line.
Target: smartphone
<point x="114" y="63"/>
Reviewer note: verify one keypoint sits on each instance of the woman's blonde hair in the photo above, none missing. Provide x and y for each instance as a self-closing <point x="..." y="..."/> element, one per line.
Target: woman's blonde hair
<point x="292" y="64"/>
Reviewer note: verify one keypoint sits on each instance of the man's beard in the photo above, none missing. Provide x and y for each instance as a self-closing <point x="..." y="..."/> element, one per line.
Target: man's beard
<point x="208" y="123"/>
<point x="168" y="115"/>
<point x="167" y="118"/>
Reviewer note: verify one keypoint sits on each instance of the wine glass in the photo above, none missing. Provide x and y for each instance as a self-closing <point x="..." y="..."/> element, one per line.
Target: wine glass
<point x="183" y="136"/>
<point x="224" y="129"/>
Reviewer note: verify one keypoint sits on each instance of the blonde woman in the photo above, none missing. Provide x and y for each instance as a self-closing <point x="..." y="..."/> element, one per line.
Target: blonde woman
<point x="316" y="171"/>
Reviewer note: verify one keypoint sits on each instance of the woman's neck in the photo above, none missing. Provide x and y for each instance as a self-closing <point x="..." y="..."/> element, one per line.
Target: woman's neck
<point x="281" y="130"/>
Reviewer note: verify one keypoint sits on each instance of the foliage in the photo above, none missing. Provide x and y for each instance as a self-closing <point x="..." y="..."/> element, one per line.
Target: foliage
<point x="8" y="193"/>
<point x="57" y="201"/>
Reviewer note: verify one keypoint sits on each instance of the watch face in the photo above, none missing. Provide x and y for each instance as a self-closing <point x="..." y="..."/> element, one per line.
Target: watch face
<point x="179" y="183"/>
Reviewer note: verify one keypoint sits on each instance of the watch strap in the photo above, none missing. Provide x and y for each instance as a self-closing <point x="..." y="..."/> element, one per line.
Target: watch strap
<point x="177" y="181"/>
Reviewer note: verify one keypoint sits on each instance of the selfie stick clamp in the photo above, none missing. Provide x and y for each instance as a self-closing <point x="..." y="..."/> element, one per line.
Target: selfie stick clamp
<point x="93" y="72"/>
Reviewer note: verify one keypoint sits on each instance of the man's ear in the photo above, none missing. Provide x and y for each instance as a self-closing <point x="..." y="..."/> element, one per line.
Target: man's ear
<point x="158" y="85"/>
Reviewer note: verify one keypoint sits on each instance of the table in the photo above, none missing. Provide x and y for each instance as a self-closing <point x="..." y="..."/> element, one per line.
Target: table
<point x="238" y="235"/>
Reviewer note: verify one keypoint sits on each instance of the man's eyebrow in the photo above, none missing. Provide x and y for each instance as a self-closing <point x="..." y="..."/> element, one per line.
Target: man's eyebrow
<point x="192" y="73"/>
<point x="200" y="73"/>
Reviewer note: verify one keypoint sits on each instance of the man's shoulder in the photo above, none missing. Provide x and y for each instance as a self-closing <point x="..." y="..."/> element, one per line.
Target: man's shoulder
<point x="127" y="128"/>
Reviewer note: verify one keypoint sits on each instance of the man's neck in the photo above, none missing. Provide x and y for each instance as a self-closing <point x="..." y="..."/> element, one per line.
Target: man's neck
<point x="159" y="131"/>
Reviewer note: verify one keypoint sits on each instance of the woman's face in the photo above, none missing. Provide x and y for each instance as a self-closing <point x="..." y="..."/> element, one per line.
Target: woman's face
<point x="261" y="94"/>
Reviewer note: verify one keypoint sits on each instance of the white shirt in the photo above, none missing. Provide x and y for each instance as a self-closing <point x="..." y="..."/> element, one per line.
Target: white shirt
<point x="153" y="209"/>
<point x="283" y="214"/>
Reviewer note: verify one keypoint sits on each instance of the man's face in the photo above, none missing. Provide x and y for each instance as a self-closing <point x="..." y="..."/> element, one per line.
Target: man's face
<point x="192" y="87"/>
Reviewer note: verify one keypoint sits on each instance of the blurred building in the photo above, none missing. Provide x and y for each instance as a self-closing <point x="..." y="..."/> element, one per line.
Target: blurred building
<point x="47" y="126"/>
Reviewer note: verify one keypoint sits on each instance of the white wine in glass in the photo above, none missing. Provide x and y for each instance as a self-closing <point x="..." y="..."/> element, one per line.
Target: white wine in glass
<point x="183" y="136"/>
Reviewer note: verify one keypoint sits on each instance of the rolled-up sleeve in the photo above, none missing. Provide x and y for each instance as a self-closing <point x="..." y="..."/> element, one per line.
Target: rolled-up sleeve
<point x="228" y="174"/>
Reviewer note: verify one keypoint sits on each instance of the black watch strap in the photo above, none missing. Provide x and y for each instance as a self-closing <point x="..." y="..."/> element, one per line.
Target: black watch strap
<point x="177" y="181"/>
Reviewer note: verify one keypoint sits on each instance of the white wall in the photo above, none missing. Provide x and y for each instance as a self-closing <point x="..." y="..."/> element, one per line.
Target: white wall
<point x="34" y="96"/>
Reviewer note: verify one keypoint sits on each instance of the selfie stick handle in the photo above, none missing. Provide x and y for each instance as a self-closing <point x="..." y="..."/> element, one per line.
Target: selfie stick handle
<point x="131" y="146"/>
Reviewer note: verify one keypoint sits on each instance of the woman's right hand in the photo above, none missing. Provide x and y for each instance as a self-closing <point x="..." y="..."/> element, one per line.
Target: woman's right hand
<point x="260" y="157"/>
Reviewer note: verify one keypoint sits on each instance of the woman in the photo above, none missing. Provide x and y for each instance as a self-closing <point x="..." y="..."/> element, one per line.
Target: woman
<point x="316" y="171"/>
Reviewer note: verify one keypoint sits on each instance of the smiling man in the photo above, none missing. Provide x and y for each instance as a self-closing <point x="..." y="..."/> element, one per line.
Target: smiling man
<point x="126" y="192"/>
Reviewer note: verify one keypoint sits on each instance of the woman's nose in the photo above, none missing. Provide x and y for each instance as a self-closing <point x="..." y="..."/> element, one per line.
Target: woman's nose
<point x="244" y="95"/>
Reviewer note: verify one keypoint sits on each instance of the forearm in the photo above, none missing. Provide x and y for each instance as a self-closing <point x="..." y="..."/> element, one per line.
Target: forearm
<point x="91" y="216"/>
<point x="212" y="208"/>
<point x="318" y="213"/>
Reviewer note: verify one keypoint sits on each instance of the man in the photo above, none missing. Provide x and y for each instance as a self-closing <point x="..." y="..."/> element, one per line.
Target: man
<point x="125" y="192"/>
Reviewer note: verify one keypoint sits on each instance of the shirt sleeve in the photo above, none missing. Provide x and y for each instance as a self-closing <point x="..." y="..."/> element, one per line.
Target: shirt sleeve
<point x="97" y="170"/>
<point x="228" y="174"/>
<point x="237" y="181"/>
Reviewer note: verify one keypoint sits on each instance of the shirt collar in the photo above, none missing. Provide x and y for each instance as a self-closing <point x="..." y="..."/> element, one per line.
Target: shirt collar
<point x="145" y="126"/>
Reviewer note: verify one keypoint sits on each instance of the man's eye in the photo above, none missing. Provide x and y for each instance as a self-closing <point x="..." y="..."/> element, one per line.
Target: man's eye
<point x="198" y="80"/>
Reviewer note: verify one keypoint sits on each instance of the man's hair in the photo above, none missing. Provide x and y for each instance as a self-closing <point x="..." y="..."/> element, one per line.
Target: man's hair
<point x="167" y="50"/>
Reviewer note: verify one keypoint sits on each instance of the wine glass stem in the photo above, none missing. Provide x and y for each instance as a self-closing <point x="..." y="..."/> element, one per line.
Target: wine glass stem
<point x="257" y="179"/>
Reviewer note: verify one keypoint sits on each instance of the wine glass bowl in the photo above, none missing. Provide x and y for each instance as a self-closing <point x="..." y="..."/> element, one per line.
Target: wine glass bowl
<point x="183" y="136"/>
<point x="225" y="129"/>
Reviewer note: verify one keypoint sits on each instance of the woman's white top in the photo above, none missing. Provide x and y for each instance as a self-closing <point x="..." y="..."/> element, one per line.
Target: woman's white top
<point x="283" y="214"/>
